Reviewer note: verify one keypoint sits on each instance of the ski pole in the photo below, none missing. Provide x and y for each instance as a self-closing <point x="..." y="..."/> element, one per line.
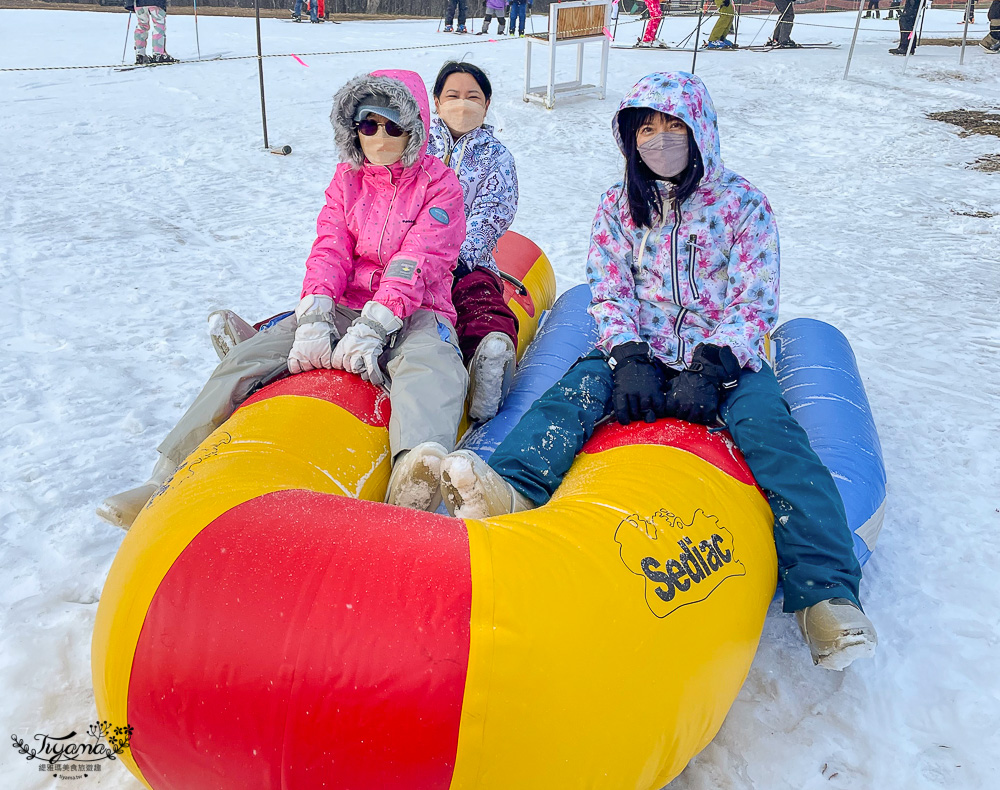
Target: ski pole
<point x="766" y="20"/>
<point x="260" y="71"/>
<point x="444" y="11"/>
<point x="697" y="38"/>
<point x="965" y="33"/>
<point x="857" y="26"/>
<point x="913" y="35"/>
<point x="197" y="40"/>
<point x="128" y="27"/>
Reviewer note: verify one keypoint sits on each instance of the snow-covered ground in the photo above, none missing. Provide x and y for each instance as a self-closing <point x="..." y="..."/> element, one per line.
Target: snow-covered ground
<point x="134" y="203"/>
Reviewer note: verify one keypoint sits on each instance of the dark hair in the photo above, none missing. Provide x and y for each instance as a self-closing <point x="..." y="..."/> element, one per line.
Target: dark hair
<point x="461" y="67"/>
<point x="644" y="199"/>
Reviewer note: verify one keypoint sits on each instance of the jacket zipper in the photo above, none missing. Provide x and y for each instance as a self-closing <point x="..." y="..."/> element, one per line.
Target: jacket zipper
<point x="388" y="213"/>
<point x="692" y="253"/>
<point x="675" y="286"/>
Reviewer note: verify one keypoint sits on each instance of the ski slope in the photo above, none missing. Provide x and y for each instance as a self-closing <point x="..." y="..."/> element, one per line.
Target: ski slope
<point x="134" y="203"/>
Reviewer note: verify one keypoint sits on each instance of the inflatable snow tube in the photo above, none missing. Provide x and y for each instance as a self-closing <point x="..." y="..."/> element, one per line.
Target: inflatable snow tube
<point x="820" y="380"/>
<point x="268" y="622"/>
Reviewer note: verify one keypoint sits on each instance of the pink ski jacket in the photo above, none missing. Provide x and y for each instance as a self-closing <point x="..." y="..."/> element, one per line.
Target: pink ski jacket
<point x="388" y="233"/>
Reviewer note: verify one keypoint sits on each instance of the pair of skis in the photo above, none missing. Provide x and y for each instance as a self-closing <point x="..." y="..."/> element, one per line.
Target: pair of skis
<point x="761" y="48"/>
<point x="134" y="66"/>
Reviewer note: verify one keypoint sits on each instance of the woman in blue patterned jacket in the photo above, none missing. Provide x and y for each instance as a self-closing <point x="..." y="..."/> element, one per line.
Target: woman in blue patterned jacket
<point x="487" y="328"/>
<point x="683" y="273"/>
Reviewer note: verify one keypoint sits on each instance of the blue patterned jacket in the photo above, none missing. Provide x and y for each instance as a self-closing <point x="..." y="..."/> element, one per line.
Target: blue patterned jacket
<point x="486" y="171"/>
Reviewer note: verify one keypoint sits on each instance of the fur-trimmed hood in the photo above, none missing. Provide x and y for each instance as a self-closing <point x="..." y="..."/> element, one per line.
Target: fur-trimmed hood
<point x="406" y="93"/>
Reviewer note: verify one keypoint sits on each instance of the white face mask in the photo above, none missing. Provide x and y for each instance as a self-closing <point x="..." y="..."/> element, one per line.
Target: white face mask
<point x="462" y="115"/>
<point x="666" y="154"/>
<point x="381" y="149"/>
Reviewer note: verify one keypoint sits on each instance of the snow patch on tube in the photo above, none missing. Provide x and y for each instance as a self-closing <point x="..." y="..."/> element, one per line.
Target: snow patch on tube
<point x="567" y="333"/>
<point x="819" y="376"/>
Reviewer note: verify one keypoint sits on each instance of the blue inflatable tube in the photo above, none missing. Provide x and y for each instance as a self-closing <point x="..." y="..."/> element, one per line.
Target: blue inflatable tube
<point x="819" y="376"/>
<point x="567" y="333"/>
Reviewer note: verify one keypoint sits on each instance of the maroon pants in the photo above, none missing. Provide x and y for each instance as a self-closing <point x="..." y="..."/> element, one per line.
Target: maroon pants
<point x="479" y="302"/>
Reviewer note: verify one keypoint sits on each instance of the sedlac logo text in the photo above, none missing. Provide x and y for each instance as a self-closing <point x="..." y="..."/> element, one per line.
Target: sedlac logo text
<point x="681" y="563"/>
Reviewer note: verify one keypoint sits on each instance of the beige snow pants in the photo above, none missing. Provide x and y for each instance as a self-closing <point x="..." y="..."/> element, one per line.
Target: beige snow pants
<point x="427" y="390"/>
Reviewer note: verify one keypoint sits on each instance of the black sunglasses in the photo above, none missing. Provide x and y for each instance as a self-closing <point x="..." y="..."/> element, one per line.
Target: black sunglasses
<point x="368" y="127"/>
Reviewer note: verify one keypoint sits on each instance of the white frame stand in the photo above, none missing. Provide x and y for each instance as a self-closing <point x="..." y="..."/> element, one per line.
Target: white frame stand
<point x="546" y="94"/>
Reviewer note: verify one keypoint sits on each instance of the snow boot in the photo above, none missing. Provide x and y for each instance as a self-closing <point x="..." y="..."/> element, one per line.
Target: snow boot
<point x="471" y="489"/>
<point x="837" y="633"/>
<point x="990" y="44"/>
<point x="227" y="330"/>
<point x="789" y="45"/>
<point x="296" y="17"/>
<point x="714" y="45"/>
<point x="415" y="481"/>
<point x="449" y="29"/>
<point x="486" y="28"/>
<point x="141" y="59"/>
<point x="163" y="58"/>
<point x="461" y="29"/>
<point x="491" y="371"/>
<point x="122" y="509"/>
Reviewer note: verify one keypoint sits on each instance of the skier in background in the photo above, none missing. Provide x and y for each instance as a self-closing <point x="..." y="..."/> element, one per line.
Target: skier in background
<point x="518" y="13"/>
<point x="717" y="39"/>
<point x="449" y="16"/>
<point x="783" y="29"/>
<point x="150" y="15"/>
<point x="907" y="25"/>
<point x="969" y="13"/>
<point x="494" y="8"/>
<point x="648" y="38"/>
<point x="991" y="42"/>
<point x="872" y="6"/>
<point x="893" y="12"/>
<point x="315" y="11"/>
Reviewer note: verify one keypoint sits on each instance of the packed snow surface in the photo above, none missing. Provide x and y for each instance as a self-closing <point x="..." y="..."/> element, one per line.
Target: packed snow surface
<point x="135" y="203"/>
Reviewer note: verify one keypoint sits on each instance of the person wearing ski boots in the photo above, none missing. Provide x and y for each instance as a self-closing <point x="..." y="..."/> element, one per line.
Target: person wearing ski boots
<point x="907" y="26"/>
<point x="872" y="10"/>
<point x="519" y="10"/>
<point x="649" y="33"/>
<point x="376" y="299"/>
<point x="893" y="12"/>
<point x="991" y="41"/>
<point x="449" y="16"/>
<point x="487" y="327"/>
<point x="314" y="13"/>
<point x="150" y="15"/>
<point x="683" y="270"/>
<point x="494" y="8"/>
<point x="782" y="35"/>
<point x="718" y="38"/>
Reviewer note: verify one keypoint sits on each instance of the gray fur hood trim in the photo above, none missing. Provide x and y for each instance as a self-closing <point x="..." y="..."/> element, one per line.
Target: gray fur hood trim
<point x="399" y="95"/>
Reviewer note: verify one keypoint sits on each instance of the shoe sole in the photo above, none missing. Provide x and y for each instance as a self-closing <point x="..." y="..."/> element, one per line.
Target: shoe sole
<point x="843" y="651"/>
<point x="424" y="493"/>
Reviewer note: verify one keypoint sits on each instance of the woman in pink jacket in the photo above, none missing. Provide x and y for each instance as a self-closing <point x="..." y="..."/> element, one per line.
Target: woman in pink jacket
<point x="376" y="300"/>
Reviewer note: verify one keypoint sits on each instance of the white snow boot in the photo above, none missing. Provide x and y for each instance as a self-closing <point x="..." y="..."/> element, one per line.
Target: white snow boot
<point x="471" y="489"/>
<point x="491" y="371"/>
<point x="122" y="509"/>
<point x="837" y="633"/>
<point x="415" y="481"/>
<point x="227" y="331"/>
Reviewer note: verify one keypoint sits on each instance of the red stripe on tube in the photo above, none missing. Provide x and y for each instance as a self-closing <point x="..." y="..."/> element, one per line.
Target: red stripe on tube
<point x="306" y="640"/>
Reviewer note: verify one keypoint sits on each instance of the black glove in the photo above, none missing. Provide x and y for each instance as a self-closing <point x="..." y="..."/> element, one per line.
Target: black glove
<point x="639" y="384"/>
<point x="695" y="393"/>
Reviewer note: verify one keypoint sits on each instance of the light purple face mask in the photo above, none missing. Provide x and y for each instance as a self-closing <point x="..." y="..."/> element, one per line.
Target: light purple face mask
<point x="666" y="154"/>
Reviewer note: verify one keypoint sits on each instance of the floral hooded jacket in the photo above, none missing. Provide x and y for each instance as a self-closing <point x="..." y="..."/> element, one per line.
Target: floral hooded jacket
<point x="485" y="168"/>
<point x="707" y="272"/>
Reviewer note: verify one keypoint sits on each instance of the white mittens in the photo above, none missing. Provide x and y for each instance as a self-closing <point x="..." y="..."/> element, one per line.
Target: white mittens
<point x="362" y="344"/>
<point x="315" y="335"/>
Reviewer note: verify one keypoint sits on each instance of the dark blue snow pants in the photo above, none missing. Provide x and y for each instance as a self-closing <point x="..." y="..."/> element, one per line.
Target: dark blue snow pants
<point x="816" y="559"/>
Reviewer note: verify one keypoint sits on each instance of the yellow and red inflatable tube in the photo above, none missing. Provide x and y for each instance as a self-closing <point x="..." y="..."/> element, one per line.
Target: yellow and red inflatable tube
<point x="268" y="623"/>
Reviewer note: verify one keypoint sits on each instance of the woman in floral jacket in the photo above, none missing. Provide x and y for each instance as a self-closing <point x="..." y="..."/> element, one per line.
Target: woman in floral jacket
<point x="486" y="326"/>
<point x="683" y="270"/>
